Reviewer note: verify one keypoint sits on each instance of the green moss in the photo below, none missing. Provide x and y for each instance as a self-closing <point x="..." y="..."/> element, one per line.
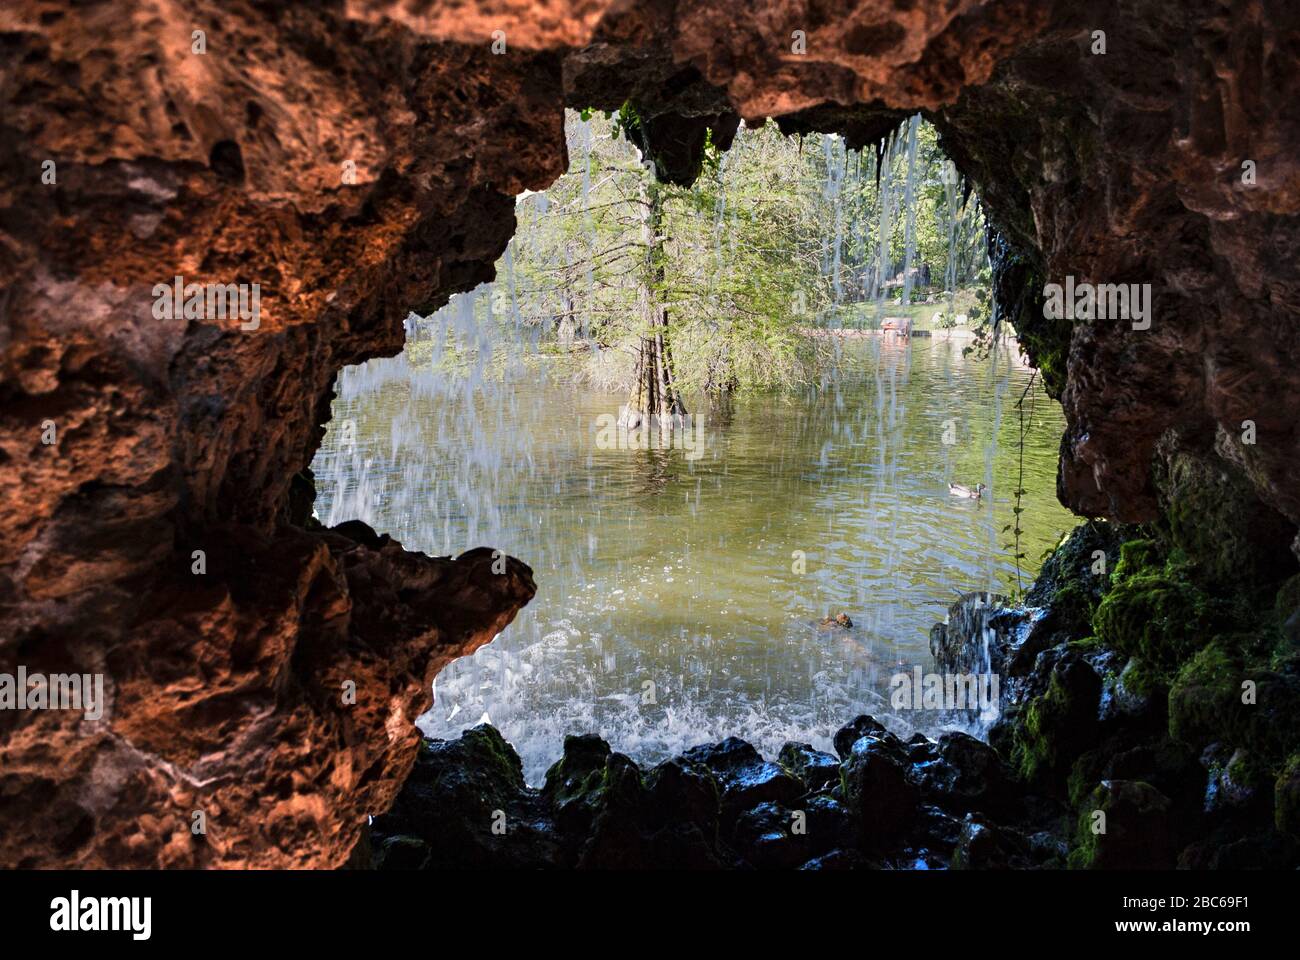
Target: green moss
<point x="1132" y="833"/>
<point x="1138" y="557"/>
<point x="1159" y="618"/>
<point x="579" y="773"/>
<point x="1085" y="773"/>
<point x="1145" y="681"/>
<point x="1212" y="513"/>
<point x="1206" y="695"/>
<point x="1285" y="653"/>
<point x="1058" y="725"/>
<point x="491" y="756"/>
<point x="1286" y="797"/>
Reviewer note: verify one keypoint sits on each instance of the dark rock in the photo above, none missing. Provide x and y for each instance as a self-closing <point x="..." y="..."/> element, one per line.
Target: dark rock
<point x="1286" y="798"/>
<point x="574" y="783"/>
<point x="983" y="845"/>
<point x="1233" y="781"/>
<point x="966" y="775"/>
<point x="877" y="791"/>
<point x="678" y="791"/>
<point x="938" y="828"/>
<point x="401" y="853"/>
<point x="466" y="801"/>
<point x="745" y="777"/>
<point x="1048" y="849"/>
<point x="921" y="748"/>
<point x="840" y="860"/>
<point x="764" y="837"/>
<point x="816" y="769"/>
<point x="853" y="731"/>
<point x="1133" y="834"/>
<point x="1060" y="724"/>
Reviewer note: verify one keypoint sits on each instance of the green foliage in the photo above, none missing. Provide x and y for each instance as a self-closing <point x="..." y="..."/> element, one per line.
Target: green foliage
<point x="744" y="261"/>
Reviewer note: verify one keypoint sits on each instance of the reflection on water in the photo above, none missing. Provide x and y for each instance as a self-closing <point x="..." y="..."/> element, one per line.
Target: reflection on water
<point x="679" y="601"/>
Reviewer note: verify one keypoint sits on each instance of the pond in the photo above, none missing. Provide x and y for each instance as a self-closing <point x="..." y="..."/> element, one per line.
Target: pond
<point x="680" y="592"/>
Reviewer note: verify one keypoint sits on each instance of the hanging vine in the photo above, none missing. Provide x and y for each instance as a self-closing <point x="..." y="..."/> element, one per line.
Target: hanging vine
<point x="1018" y="509"/>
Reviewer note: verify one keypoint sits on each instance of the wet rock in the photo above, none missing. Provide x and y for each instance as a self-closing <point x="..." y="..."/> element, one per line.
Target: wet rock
<point x="816" y="769"/>
<point x="936" y="828"/>
<point x="979" y="631"/>
<point x="765" y="838"/>
<point x="1060" y="724"/>
<point x="1233" y="781"/>
<point x="1124" y="826"/>
<point x="746" y="779"/>
<point x="1048" y="849"/>
<point x="401" y="853"/>
<point x="850" y="733"/>
<point x="983" y="845"/>
<point x="574" y="783"/>
<point x="877" y="791"/>
<point x="921" y="749"/>
<point x="840" y="860"/>
<point x="467" y="803"/>
<point x="608" y="816"/>
<point x="678" y="791"/>
<point x="966" y="775"/>
<point x="1123" y="700"/>
<point x="614" y="834"/>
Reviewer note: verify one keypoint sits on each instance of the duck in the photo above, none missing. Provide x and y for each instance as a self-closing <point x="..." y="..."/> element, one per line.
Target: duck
<point x="961" y="490"/>
<point x="839" y="620"/>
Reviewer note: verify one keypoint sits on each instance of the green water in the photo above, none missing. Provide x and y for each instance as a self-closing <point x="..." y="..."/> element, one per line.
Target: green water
<point x="672" y="606"/>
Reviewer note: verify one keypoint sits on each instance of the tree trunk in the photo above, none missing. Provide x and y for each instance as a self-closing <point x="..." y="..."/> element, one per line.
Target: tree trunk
<point x="654" y="391"/>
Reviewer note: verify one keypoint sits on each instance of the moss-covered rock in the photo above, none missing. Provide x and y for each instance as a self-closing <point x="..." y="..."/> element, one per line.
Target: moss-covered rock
<point x="1161" y="619"/>
<point x="1205" y="701"/>
<point x="1058" y="726"/>
<point x="1212" y="514"/>
<point x="1138" y="556"/>
<point x="1074" y="577"/>
<point x="486" y="818"/>
<point x="816" y="770"/>
<point x="1124" y="825"/>
<point x="575" y="781"/>
<point x="1286" y="612"/>
<point x="1225" y="695"/>
<point x="1286" y="798"/>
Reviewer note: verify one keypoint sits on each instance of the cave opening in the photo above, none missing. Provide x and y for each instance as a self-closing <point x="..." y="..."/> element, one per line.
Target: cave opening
<point x="355" y="161"/>
<point x="852" y="437"/>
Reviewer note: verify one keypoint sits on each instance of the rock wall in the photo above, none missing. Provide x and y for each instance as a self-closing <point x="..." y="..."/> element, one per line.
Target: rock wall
<point x="357" y="160"/>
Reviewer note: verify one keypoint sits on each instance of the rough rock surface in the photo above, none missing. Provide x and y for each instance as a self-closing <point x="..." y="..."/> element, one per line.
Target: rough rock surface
<point x="1154" y="698"/>
<point x="357" y="160"/>
<point x="717" y="806"/>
